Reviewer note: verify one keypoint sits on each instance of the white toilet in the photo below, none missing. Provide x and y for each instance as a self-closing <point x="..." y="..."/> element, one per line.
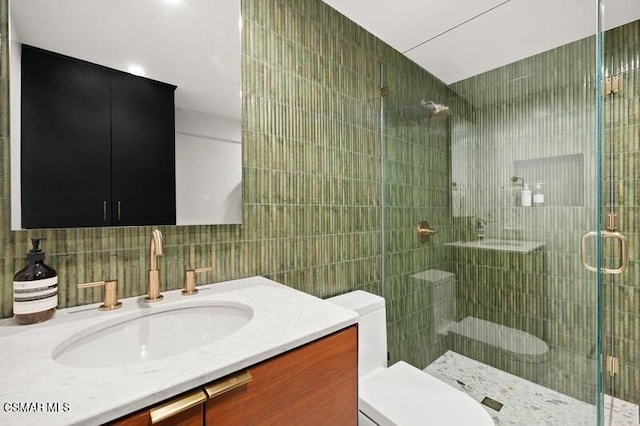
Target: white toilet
<point x="401" y="394"/>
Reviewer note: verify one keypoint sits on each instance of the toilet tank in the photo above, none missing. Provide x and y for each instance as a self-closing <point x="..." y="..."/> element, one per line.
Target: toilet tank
<point x="372" y="328"/>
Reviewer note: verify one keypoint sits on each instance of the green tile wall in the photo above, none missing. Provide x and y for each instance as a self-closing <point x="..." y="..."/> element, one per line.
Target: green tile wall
<point x="416" y="188"/>
<point x="540" y="107"/>
<point x="311" y="168"/>
<point x="524" y="111"/>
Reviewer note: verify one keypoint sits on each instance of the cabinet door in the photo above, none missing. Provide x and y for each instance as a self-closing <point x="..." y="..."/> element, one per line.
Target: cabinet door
<point x="143" y="151"/>
<point x="65" y="141"/>
<point x="312" y="385"/>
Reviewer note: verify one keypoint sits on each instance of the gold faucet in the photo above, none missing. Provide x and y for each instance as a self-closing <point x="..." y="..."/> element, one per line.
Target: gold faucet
<point x="156" y="248"/>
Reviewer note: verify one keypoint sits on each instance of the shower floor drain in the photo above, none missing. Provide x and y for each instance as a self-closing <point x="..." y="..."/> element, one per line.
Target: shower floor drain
<point x="492" y="403"/>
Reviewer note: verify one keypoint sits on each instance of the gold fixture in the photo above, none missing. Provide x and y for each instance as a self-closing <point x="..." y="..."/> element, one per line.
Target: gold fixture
<point x="156" y="248"/>
<point x="225" y="385"/>
<point x="624" y="257"/>
<point x="171" y="408"/>
<point x="190" y="280"/>
<point x="611" y="85"/>
<point x="613" y="366"/>
<point x="612" y="222"/>
<point x="424" y="231"/>
<point x="110" y="299"/>
<point x="515" y="180"/>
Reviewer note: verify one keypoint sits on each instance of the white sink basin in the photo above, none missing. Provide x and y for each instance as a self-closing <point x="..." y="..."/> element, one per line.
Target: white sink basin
<point x="144" y="336"/>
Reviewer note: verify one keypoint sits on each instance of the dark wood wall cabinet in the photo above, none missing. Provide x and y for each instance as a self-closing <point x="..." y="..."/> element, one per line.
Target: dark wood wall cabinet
<point x="97" y="145"/>
<point x="316" y="384"/>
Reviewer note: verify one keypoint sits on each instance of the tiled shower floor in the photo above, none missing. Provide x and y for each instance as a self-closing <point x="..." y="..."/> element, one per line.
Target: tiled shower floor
<point x="524" y="402"/>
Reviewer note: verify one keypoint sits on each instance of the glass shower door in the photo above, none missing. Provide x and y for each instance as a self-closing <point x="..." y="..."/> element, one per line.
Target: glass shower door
<point x="618" y="257"/>
<point x="510" y="178"/>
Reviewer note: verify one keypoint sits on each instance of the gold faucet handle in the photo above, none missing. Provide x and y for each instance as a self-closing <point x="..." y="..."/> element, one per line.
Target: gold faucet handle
<point x="110" y="293"/>
<point x="190" y="280"/>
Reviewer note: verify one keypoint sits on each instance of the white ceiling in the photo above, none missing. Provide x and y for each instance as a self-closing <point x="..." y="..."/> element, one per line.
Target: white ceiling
<point x="457" y="39"/>
<point x="194" y="44"/>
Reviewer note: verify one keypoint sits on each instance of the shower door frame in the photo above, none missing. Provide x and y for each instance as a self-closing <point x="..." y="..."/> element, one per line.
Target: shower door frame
<point x="599" y="209"/>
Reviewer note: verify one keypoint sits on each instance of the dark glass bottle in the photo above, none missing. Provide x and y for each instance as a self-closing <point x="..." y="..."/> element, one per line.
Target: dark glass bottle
<point x="35" y="288"/>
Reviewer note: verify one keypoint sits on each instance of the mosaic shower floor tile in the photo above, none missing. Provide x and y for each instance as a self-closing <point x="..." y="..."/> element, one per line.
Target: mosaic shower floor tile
<point x="524" y="402"/>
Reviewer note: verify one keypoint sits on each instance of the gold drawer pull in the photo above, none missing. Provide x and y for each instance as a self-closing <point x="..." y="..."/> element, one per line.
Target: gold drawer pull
<point x="226" y="385"/>
<point x="177" y="406"/>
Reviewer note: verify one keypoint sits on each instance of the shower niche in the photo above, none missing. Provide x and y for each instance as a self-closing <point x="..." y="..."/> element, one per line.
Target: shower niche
<point x="562" y="178"/>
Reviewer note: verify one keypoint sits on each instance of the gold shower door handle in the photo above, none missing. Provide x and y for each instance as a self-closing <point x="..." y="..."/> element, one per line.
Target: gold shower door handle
<point x="624" y="257"/>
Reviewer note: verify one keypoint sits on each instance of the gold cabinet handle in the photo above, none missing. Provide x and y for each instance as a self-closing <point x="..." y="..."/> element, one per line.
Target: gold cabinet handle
<point x="190" y="280"/>
<point x="225" y="385"/>
<point x="110" y="299"/>
<point x="177" y="406"/>
<point x="624" y="256"/>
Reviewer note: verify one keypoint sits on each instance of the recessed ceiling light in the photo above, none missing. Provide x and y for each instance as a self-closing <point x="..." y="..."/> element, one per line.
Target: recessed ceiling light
<point x="173" y="1"/>
<point x="136" y="70"/>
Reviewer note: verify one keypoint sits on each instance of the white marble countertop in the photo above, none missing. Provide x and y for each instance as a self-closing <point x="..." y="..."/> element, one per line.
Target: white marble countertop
<point x="515" y="246"/>
<point x="32" y="382"/>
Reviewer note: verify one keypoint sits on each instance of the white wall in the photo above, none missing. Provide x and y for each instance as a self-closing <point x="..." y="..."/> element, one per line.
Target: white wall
<point x="208" y="169"/>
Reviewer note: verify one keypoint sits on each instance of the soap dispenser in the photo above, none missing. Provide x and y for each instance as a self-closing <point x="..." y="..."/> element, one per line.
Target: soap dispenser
<point x="538" y="195"/>
<point x="35" y="288"/>
<point x="525" y="196"/>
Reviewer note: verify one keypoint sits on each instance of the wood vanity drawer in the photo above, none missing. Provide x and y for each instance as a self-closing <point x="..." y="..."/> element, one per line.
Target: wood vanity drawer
<point x="316" y="384"/>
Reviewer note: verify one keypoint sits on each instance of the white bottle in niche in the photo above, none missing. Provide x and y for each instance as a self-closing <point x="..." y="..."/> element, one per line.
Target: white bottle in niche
<point x="538" y="195"/>
<point x="525" y="196"/>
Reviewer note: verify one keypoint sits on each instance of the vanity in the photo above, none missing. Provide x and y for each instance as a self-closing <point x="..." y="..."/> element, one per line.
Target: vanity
<point x="247" y="351"/>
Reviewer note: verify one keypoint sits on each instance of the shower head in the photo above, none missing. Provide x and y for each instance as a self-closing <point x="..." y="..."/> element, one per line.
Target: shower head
<point x="434" y="110"/>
